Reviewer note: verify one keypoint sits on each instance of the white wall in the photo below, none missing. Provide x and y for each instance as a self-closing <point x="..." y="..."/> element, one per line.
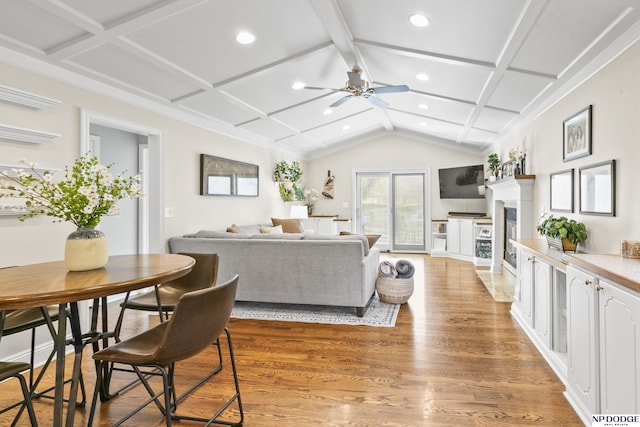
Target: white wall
<point x="40" y="240"/>
<point x="614" y="93"/>
<point x="387" y="153"/>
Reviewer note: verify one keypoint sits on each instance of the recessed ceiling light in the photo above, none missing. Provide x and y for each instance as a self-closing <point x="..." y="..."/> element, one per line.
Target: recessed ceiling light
<point x="346" y="127"/>
<point x="298" y="85"/>
<point x="327" y="111"/>
<point x="423" y="123"/>
<point x="423" y="106"/>
<point x="245" y="37"/>
<point x="422" y="76"/>
<point x="419" y="20"/>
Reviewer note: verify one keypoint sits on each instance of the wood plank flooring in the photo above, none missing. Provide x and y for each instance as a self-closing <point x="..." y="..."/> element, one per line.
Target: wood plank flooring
<point x="455" y="358"/>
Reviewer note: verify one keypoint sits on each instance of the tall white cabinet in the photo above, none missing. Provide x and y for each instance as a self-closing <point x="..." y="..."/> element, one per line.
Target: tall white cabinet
<point x="460" y="238"/>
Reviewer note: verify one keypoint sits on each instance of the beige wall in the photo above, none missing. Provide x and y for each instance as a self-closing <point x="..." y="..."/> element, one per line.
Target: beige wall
<point x="40" y="240"/>
<point x="389" y="152"/>
<point x="614" y="93"/>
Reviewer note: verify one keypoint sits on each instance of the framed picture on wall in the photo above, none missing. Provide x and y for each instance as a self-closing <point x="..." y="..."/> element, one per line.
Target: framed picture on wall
<point x="598" y="189"/>
<point x="561" y="191"/>
<point x="576" y="130"/>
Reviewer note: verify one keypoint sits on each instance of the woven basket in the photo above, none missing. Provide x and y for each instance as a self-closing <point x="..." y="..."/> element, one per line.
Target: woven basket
<point x="394" y="290"/>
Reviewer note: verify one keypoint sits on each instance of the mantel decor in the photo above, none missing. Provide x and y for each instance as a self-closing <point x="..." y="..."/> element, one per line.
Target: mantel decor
<point x="576" y="131"/>
<point x="87" y="192"/>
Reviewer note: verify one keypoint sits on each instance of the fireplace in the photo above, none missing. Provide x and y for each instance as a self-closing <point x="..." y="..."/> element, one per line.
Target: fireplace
<point x="510" y="232"/>
<point x="512" y="219"/>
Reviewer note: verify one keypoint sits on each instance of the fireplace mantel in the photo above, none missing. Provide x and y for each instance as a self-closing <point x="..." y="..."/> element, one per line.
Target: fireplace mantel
<point x="514" y="192"/>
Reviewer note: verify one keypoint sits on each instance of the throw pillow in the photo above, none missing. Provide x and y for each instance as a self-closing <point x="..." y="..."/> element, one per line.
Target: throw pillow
<point x="271" y="230"/>
<point x="234" y="229"/>
<point x="371" y="238"/>
<point x="292" y="225"/>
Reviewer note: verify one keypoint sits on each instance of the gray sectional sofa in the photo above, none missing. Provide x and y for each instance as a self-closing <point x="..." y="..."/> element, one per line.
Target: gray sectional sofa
<point x="291" y="267"/>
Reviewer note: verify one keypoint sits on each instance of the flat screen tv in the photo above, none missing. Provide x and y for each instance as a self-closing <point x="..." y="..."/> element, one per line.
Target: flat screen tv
<point x="462" y="182"/>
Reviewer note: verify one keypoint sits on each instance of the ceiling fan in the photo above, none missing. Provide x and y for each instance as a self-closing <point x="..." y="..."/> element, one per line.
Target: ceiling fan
<point x="356" y="86"/>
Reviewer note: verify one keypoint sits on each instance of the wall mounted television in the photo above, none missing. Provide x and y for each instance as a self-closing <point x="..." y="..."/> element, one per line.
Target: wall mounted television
<point x="464" y="182"/>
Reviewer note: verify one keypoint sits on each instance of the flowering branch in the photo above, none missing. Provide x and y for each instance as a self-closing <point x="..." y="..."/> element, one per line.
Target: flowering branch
<point x="86" y="194"/>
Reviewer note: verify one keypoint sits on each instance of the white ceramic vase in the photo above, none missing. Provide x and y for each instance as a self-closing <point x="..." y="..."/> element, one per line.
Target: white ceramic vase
<point x="86" y="249"/>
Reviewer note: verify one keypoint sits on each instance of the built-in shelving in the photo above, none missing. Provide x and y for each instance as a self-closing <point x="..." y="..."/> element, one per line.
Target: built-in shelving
<point x="17" y="134"/>
<point x="19" y="97"/>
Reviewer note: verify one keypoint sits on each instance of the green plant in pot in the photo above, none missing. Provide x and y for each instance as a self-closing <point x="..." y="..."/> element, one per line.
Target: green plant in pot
<point x="494" y="164"/>
<point x="288" y="177"/>
<point x="563" y="233"/>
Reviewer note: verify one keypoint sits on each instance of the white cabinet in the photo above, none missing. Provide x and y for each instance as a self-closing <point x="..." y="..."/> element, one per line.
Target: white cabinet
<point x="460" y="238"/>
<point x="321" y="224"/>
<point x="582" y="342"/>
<point x="619" y="328"/>
<point x="525" y="282"/>
<point x="542" y="303"/>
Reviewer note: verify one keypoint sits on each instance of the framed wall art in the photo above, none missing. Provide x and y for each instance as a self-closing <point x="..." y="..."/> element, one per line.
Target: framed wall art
<point x="561" y="191"/>
<point x="225" y="177"/>
<point x="576" y="141"/>
<point x="598" y="189"/>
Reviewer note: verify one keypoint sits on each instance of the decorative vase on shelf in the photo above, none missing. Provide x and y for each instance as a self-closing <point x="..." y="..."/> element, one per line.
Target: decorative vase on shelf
<point x="86" y="249"/>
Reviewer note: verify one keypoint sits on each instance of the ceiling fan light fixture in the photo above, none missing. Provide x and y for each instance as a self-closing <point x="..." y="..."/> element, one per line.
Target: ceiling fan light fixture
<point x="245" y="37"/>
<point x="298" y="85"/>
<point x="418" y="20"/>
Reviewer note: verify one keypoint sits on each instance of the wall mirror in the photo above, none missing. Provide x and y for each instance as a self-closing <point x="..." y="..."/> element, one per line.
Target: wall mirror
<point x="598" y="189"/>
<point x="561" y="191"/>
<point x="225" y="177"/>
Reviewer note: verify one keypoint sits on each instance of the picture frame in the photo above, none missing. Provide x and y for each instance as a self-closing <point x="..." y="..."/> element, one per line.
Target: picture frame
<point x="561" y="191"/>
<point x="576" y="135"/>
<point x="598" y="189"/>
<point x="484" y="232"/>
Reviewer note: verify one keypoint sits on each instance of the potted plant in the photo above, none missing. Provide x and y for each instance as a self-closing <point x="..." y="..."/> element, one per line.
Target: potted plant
<point x="288" y="178"/>
<point x="494" y="166"/>
<point x="562" y="233"/>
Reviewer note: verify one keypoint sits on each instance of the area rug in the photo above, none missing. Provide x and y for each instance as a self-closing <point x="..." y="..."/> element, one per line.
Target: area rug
<point x="378" y="314"/>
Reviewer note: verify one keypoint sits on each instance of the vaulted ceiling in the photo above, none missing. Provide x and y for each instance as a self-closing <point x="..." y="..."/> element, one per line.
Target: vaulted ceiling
<point x="485" y="66"/>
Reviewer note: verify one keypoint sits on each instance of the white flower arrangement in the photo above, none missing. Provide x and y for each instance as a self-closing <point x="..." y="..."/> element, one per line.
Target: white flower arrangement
<point x="86" y="194"/>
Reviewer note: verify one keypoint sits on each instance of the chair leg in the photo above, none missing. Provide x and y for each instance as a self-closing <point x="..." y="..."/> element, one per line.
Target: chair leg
<point x="27" y="401"/>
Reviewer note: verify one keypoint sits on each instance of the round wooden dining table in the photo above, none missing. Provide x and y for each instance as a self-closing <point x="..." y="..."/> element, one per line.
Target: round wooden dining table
<point x="43" y="284"/>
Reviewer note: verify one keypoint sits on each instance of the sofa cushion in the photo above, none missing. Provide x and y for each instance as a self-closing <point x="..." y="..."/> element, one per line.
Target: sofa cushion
<point x="277" y="236"/>
<point x="363" y="239"/>
<point x="218" y="235"/>
<point x="292" y="225"/>
<point x="271" y="230"/>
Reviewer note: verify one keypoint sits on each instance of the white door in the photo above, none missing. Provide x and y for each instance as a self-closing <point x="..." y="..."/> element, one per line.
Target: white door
<point x="542" y="301"/>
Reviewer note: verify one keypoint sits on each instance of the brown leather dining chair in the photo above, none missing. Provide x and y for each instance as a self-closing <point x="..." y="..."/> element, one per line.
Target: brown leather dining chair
<point x="14" y="370"/>
<point x="199" y="318"/>
<point x="163" y="299"/>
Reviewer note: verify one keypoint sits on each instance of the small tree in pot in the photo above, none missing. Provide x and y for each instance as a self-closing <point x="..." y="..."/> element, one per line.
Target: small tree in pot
<point x="494" y="164"/>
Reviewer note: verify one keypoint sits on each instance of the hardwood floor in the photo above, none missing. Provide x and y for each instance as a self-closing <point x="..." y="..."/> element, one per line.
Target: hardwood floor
<point x="455" y="358"/>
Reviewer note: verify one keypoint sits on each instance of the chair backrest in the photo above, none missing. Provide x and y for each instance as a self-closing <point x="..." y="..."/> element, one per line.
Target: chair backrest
<point x="203" y="274"/>
<point x="197" y="321"/>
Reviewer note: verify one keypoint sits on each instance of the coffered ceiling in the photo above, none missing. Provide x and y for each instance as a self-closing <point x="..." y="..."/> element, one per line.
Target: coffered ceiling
<point x="490" y="65"/>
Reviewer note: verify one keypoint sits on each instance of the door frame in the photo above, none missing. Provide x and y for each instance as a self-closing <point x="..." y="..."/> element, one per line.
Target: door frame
<point x="390" y="172"/>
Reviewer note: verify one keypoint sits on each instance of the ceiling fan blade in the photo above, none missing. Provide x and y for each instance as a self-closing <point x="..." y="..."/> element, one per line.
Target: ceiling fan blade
<point x="390" y="89"/>
<point x="340" y="101"/>
<point x="354" y="79"/>
<point x="320" y="88"/>
<point x="377" y="101"/>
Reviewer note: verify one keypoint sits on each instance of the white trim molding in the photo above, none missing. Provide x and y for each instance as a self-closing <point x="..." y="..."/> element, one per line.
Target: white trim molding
<point x="13" y="133"/>
<point x="19" y="97"/>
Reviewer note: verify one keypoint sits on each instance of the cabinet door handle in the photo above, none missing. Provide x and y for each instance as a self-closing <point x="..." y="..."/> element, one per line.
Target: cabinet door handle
<point x="587" y="282"/>
<point x="599" y="288"/>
